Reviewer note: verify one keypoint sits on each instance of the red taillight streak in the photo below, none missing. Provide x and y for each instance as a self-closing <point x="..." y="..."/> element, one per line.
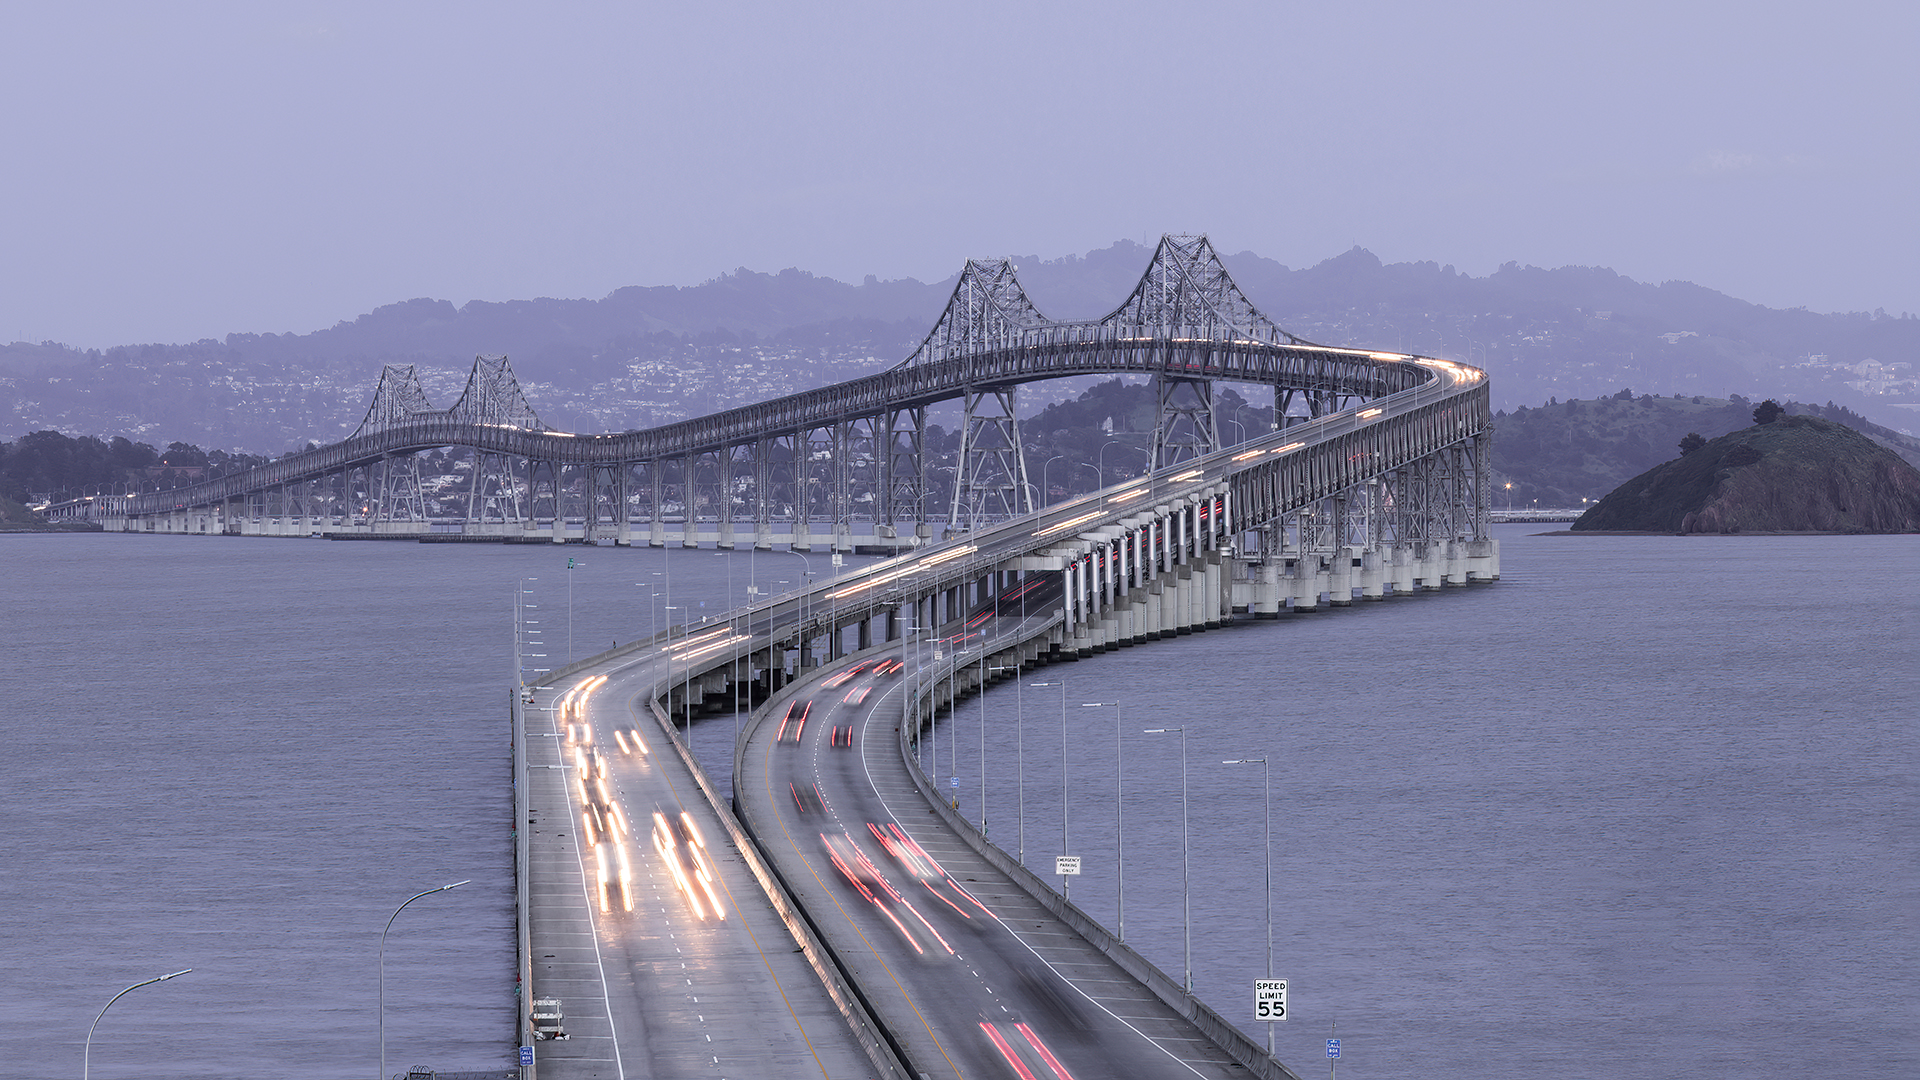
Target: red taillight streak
<point x="970" y="896"/>
<point x="1039" y="1047"/>
<point x="1006" y="1051"/>
<point x="946" y="901"/>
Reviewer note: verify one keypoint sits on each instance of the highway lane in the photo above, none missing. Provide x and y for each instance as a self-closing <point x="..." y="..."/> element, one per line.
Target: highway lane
<point x="975" y="978"/>
<point x="648" y="925"/>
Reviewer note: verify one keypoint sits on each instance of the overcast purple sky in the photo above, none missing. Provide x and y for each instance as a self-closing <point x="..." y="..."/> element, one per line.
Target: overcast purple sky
<point x="178" y="171"/>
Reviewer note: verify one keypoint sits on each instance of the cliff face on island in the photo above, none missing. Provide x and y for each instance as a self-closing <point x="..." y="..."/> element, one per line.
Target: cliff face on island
<point x="1796" y="474"/>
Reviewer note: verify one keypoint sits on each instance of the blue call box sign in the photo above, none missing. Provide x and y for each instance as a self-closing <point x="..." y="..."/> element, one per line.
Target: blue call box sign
<point x="526" y="1057"/>
<point x="1333" y="1048"/>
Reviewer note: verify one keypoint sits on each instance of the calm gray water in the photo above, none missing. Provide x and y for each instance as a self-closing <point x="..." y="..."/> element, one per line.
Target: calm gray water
<point x="1646" y="808"/>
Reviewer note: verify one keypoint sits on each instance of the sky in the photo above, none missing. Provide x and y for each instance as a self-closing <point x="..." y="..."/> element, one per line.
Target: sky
<point x="180" y="171"/>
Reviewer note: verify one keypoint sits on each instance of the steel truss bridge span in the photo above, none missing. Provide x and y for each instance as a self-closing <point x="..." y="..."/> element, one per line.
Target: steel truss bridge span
<point x="826" y="456"/>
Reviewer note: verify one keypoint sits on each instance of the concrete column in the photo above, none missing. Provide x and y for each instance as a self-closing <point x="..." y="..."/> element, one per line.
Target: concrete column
<point x="1483" y="560"/>
<point x="1215" y="589"/>
<point x="1264" y="598"/>
<point x="1303" y="593"/>
<point x="1340" y="577"/>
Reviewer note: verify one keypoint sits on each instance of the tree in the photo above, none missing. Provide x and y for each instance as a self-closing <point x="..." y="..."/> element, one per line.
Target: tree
<point x="1767" y="412"/>
<point x="1691" y="442"/>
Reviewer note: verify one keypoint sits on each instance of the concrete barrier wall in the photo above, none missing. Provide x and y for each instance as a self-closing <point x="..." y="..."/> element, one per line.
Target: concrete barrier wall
<point x="522" y="868"/>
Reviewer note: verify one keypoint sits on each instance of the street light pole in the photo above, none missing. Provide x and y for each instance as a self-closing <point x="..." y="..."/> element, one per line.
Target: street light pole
<point x="805" y="587"/>
<point x="86" y="1052"/>
<point x="1019" y="761"/>
<point x="1266" y="830"/>
<point x="1186" y="907"/>
<point x="382" y="1007"/>
<point x="983" y="736"/>
<point x="1119" y="825"/>
<point x="1046" y="492"/>
<point x="1064" y="848"/>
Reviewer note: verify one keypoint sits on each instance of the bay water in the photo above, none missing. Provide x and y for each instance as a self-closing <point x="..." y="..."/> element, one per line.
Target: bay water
<point x="1646" y="807"/>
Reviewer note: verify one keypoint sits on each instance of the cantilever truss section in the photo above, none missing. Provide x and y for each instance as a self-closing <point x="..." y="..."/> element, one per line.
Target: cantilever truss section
<point x="493" y="397"/>
<point x="989" y="308"/>
<point x="1187" y="293"/>
<point x="397" y="401"/>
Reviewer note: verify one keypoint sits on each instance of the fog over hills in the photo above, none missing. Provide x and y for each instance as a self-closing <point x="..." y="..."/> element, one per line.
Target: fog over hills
<point x="642" y="356"/>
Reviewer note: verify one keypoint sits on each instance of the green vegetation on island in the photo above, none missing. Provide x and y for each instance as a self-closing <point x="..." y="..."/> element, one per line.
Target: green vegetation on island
<point x="1784" y="473"/>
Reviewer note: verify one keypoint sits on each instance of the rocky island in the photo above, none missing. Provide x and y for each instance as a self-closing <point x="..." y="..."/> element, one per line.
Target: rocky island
<point x="1783" y="474"/>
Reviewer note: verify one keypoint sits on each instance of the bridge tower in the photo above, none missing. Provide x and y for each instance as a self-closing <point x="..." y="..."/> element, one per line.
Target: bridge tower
<point x="989" y="312"/>
<point x="991" y="484"/>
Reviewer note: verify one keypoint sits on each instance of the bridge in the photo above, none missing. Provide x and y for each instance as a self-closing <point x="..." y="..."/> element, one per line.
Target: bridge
<point x="929" y="951"/>
<point x="841" y="466"/>
<point x="938" y="953"/>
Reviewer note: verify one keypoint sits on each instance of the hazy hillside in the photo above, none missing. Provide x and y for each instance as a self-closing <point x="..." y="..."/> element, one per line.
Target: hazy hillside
<point x="642" y="356"/>
<point x="1782" y="474"/>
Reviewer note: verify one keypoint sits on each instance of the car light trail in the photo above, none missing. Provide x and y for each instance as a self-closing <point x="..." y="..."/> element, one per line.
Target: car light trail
<point x="703" y="870"/>
<point x="714" y="647"/>
<point x="1067" y="524"/>
<point x="891" y="575"/>
<point x="1006" y="1051"/>
<point x="667" y="848"/>
<point x="626" y="879"/>
<point x="1046" y="1055"/>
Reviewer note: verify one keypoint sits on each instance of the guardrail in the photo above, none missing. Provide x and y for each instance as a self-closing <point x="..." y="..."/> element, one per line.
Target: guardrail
<point x="522" y="870"/>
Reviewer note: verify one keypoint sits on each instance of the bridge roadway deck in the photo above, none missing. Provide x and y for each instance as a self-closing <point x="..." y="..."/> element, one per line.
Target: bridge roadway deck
<point x="657" y="991"/>
<point x="967" y="969"/>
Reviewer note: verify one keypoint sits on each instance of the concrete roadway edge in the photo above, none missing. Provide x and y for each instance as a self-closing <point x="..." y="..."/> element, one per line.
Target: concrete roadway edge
<point x="522" y="871"/>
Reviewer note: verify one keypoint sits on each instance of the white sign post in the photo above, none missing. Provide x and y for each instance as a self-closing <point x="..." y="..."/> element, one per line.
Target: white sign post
<point x="1270" y="1000"/>
<point x="1068" y="867"/>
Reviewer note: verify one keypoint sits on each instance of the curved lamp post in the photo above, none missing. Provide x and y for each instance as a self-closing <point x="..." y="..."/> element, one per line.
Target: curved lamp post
<point x="1266" y="832"/>
<point x="1119" y="824"/>
<point x="1065" y="882"/>
<point x="1046" y="492"/>
<point x="86" y="1053"/>
<point x="382" y="1007"/>
<point x="1186" y="905"/>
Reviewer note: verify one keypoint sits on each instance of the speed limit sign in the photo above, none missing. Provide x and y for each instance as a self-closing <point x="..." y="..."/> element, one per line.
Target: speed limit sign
<point x="1269" y="999"/>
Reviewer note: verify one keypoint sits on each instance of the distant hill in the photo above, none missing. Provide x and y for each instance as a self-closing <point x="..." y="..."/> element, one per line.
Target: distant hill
<point x="1795" y="474"/>
<point x="643" y="356"/>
